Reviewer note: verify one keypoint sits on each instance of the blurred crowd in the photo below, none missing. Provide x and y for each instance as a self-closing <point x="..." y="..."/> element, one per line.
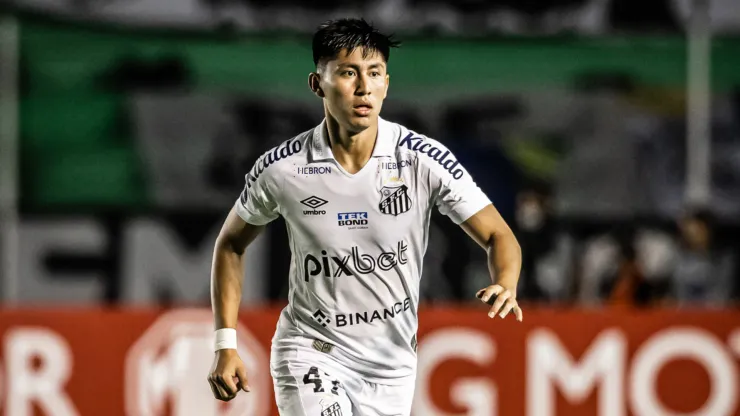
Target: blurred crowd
<point x="445" y="17"/>
<point x="639" y="263"/>
<point x="691" y="262"/>
<point x="462" y="16"/>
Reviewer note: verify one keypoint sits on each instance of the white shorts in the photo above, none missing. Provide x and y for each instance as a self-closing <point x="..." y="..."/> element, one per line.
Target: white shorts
<point x="307" y="385"/>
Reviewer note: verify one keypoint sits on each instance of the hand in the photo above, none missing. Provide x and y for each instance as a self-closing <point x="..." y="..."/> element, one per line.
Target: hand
<point x="227" y="367"/>
<point x="503" y="301"/>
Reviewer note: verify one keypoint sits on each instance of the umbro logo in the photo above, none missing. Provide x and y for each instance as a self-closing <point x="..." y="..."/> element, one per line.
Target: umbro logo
<point x="321" y="318"/>
<point x="314" y="202"/>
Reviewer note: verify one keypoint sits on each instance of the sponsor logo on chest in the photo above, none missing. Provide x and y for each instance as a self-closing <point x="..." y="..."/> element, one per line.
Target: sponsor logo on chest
<point x="330" y="265"/>
<point x="352" y="220"/>
<point x="395" y="165"/>
<point x="313" y="170"/>
<point x="444" y="158"/>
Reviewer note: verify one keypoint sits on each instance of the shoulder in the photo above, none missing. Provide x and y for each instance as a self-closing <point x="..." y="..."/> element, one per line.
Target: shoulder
<point x="430" y="153"/>
<point x="279" y="158"/>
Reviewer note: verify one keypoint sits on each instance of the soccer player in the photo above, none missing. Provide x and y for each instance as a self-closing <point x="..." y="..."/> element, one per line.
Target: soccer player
<point x="356" y="193"/>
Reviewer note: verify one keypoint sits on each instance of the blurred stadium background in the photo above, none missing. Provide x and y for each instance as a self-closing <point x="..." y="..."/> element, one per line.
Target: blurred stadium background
<point x="607" y="132"/>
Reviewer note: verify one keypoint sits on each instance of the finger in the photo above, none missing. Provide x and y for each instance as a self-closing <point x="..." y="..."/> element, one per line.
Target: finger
<point x="241" y="373"/>
<point x="215" y="392"/>
<point x="491" y="291"/>
<point x="491" y="300"/>
<point x="480" y="293"/>
<point x="499" y="303"/>
<point x="227" y="383"/>
<point x="225" y="395"/>
<point x="518" y="313"/>
<point x="220" y="392"/>
<point x="508" y="306"/>
<point x="490" y="294"/>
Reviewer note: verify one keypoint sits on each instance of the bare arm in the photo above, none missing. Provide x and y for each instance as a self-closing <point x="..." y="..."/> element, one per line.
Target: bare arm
<point x="227" y="275"/>
<point x="491" y="232"/>
<point x="257" y="203"/>
<point x="227" y="272"/>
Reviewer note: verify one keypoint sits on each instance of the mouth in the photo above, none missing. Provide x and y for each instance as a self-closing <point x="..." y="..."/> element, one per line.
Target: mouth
<point x="363" y="109"/>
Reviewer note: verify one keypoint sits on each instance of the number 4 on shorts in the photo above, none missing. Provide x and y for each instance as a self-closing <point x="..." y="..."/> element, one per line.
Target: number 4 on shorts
<point x="313" y="377"/>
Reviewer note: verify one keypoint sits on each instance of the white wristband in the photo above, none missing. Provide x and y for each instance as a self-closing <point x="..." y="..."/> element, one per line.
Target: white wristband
<point x="225" y="339"/>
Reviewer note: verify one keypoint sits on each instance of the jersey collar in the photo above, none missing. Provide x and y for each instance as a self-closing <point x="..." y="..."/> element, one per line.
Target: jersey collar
<point x="321" y="151"/>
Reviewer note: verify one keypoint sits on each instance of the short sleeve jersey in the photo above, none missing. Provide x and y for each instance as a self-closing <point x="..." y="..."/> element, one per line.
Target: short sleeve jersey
<point x="358" y="240"/>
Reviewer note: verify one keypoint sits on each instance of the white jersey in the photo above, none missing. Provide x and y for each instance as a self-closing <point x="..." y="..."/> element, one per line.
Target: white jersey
<point x="357" y="241"/>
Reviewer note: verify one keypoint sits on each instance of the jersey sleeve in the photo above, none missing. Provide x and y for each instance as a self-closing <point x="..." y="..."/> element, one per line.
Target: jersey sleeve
<point x="258" y="203"/>
<point x="452" y="189"/>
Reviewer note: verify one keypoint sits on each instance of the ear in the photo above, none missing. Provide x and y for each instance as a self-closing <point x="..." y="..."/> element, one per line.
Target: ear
<point x="387" y="84"/>
<point x="314" y="83"/>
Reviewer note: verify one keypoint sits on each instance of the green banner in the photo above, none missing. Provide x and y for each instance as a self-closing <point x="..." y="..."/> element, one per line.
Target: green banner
<point x="80" y="134"/>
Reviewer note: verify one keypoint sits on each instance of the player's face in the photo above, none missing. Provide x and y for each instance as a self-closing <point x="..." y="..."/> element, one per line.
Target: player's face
<point x="354" y="88"/>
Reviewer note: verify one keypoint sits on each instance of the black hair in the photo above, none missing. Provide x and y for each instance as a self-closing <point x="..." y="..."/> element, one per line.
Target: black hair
<point x="334" y="35"/>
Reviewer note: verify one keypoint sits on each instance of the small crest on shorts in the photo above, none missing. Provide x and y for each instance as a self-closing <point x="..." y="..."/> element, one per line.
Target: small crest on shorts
<point x="331" y="410"/>
<point x="394" y="200"/>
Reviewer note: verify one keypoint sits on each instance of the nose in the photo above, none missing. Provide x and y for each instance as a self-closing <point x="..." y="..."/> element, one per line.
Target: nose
<point x="361" y="88"/>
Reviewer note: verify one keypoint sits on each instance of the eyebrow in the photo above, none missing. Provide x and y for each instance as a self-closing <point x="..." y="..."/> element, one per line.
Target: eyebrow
<point x="356" y="67"/>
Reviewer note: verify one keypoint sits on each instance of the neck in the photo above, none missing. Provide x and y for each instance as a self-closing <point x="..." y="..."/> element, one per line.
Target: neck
<point x="351" y="149"/>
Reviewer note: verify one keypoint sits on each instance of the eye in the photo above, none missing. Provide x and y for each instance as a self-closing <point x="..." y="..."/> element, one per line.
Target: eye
<point x="375" y="74"/>
<point x="348" y="73"/>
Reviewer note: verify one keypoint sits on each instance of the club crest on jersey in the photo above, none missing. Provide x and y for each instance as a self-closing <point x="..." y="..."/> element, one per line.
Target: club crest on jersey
<point x="394" y="200"/>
